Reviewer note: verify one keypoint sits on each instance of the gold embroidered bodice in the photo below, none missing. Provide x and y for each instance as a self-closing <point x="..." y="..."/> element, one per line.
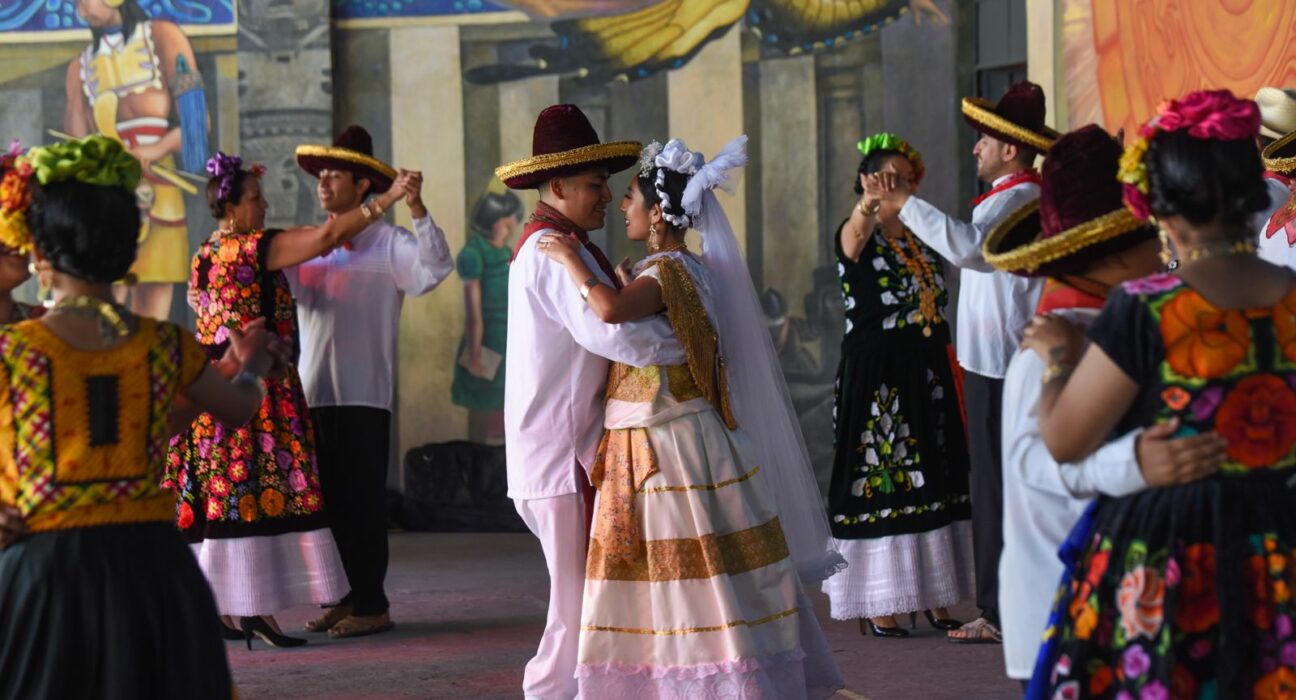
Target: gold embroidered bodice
<point x="703" y="375"/>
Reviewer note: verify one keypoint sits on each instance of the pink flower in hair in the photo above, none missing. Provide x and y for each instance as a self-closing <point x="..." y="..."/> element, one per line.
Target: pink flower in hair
<point x="1211" y="114"/>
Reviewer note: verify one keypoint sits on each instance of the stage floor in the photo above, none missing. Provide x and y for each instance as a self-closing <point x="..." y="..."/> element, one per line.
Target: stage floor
<point x="469" y="609"/>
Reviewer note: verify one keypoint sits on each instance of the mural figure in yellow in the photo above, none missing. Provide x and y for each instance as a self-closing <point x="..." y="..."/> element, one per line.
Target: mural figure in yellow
<point x="123" y="86"/>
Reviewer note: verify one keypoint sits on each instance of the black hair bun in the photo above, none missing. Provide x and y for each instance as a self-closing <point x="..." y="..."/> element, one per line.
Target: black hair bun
<point x="90" y="232"/>
<point x="1205" y="180"/>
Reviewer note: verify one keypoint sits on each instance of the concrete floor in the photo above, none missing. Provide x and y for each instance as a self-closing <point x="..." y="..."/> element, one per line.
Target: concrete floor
<point x="469" y="609"/>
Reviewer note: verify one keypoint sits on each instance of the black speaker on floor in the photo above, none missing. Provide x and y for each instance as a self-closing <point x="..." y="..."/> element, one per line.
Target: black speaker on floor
<point x="457" y="486"/>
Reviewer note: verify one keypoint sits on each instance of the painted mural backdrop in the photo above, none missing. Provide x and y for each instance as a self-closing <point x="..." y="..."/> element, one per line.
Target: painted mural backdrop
<point x="60" y="15"/>
<point x="1124" y="56"/>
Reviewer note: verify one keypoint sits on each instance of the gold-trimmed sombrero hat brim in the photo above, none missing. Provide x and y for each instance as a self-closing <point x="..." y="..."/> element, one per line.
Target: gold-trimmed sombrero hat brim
<point x="1016" y="245"/>
<point x="528" y="173"/>
<point x="313" y="159"/>
<point x="979" y="113"/>
<point x="1280" y="156"/>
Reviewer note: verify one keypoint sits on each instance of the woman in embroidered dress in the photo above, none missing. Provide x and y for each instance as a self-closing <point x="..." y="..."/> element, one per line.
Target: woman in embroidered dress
<point x="1183" y="591"/>
<point x="249" y="499"/>
<point x="101" y="598"/>
<point x="692" y="586"/>
<point x="898" y="499"/>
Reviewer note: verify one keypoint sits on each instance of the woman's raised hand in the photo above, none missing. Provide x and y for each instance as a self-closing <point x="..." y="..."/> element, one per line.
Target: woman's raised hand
<point x="1054" y="339"/>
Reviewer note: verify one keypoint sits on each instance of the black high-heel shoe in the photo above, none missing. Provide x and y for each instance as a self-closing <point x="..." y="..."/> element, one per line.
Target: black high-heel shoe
<point x="894" y="632"/>
<point x="946" y="624"/>
<point x="262" y="629"/>
<point x="230" y="634"/>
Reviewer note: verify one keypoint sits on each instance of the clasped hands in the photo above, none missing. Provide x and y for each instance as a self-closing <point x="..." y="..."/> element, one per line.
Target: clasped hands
<point x="884" y="188"/>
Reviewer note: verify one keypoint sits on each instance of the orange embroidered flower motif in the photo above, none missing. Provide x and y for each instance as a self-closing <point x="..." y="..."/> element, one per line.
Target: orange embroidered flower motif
<point x="1084" y="619"/>
<point x="248" y="508"/>
<point x="1279" y="684"/>
<point x="1176" y="398"/>
<point x="1196" y="607"/>
<point x="1141" y="599"/>
<point x="1258" y="418"/>
<point x="1284" y="321"/>
<point x="1201" y="340"/>
<point x="272" y="502"/>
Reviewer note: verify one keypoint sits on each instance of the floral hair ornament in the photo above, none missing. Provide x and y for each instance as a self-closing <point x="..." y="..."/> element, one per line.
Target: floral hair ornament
<point x="224" y="167"/>
<point x="1205" y="114"/>
<point x="15" y="197"/>
<point x="886" y="141"/>
<point x="94" y="160"/>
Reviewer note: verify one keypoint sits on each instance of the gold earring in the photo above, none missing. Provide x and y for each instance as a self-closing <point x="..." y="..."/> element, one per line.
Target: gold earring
<point x="31" y="268"/>
<point x="1167" y="252"/>
<point x="653" y="243"/>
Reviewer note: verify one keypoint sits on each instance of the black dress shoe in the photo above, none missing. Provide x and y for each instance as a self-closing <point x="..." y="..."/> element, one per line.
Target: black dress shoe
<point x="230" y="634"/>
<point x="262" y="629"/>
<point x="866" y="625"/>
<point x="946" y="624"/>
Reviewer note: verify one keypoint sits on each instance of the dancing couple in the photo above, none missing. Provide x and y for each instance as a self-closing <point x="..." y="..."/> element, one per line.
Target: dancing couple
<point x="660" y="385"/>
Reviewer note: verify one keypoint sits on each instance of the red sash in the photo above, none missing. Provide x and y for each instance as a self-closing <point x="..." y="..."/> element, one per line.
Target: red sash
<point x="1071" y="294"/>
<point x="1031" y="175"/>
<point x="546" y="217"/>
<point x="1285" y="218"/>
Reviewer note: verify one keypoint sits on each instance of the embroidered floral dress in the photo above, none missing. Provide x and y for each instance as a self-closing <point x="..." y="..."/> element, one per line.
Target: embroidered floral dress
<point x="259" y="481"/>
<point x="898" y="499"/>
<point x="690" y="591"/>
<point x="1186" y="591"/>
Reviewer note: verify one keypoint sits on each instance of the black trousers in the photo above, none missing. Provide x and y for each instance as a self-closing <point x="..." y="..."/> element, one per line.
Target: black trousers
<point x="352" y="445"/>
<point x="983" y="399"/>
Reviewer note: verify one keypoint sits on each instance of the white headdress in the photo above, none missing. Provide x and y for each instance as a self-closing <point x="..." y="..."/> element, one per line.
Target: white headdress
<point x="759" y="393"/>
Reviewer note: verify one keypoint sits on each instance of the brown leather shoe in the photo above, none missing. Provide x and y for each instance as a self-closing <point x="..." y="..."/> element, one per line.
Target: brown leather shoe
<point x="361" y="626"/>
<point x="331" y="617"/>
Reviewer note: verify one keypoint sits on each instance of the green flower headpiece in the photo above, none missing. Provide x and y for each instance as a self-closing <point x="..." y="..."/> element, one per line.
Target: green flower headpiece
<point x="96" y="160"/>
<point x="890" y="142"/>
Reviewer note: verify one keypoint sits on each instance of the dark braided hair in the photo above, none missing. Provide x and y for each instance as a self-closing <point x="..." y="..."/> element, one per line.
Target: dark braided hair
<point x="87" y="231"/>
<point x="675" y="184"/>
<point x="1205" y="180"/>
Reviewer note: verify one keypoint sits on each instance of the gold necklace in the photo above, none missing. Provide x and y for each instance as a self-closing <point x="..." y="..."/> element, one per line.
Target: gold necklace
<point x="1219" y="249"/>
<point x="669" y="249"/>
<point x="112" y="322"/>
<point x="921" y="271"/>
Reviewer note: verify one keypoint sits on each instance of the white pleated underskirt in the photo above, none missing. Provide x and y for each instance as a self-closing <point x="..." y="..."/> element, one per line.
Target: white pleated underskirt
<point x="265" y="575"/>
<point x="903" y="573"/>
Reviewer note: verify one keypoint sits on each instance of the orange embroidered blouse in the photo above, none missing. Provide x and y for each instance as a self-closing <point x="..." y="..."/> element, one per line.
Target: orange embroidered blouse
<point x="83" y="433"/>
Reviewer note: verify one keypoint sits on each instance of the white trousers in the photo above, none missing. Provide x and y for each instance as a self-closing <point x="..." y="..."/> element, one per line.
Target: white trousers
<point x="559" y="522"/>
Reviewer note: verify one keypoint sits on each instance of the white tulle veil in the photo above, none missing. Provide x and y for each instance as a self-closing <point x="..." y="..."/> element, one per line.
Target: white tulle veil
<point x="758" y="390"/>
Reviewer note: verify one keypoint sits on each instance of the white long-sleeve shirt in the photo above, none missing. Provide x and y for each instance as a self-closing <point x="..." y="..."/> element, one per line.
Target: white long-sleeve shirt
<point x="1276" y="249"/>
<point x="1042" y="502"/>
<point x="556" y="370"/>
<point x="994" y="307"/>
<point x="348" y="309"/>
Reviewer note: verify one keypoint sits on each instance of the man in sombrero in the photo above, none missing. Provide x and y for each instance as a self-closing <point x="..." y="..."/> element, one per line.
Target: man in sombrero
<point x="348" y="307"/>
<point x="556" y="368"/>
<point x="1082" y="241"/>
<point x="993" y="306"/>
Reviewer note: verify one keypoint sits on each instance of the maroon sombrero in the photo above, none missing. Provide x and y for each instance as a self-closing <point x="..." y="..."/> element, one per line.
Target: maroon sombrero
<point x="1018" y="118"/>
<point x="1079" y="216"/>
<point x="564" y="143"/>
<point x="352" y="151"/>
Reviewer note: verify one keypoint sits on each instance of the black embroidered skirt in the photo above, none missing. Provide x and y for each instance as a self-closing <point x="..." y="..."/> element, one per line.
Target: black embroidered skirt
<point x="118" y="611"/>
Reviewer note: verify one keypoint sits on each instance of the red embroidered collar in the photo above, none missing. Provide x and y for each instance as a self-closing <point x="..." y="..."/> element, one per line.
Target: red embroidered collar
<point x="1072" y="293"/>
<point x="1024" y="176"/>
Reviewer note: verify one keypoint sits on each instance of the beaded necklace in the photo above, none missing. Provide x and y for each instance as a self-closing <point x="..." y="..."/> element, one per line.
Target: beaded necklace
<point x="922" y="272"/>
<point x="111" y="317"/>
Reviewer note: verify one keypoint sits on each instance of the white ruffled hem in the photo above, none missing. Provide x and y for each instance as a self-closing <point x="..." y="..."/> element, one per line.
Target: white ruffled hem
<point x="903" y="573"/>
<point x="264" y="575"/>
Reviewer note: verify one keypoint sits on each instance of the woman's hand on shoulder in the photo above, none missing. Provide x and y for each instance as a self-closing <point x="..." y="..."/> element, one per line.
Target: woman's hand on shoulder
<point x="562" y="248"/>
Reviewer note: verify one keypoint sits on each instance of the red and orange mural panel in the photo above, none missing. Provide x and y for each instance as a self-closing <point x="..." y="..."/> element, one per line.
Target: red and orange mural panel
<point x="1123" y="57"/>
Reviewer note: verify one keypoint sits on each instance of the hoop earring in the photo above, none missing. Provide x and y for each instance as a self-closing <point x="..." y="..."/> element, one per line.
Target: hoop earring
<point x="653" y="243"/>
